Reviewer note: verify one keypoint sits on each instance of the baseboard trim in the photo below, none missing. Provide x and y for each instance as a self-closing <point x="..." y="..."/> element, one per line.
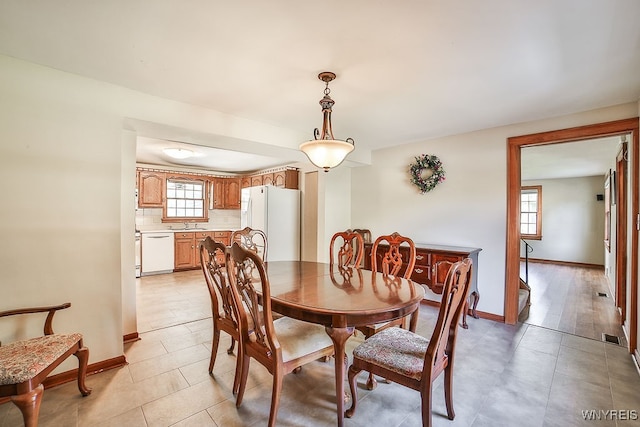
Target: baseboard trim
<point x="132" y="337"/>
<point x="568" y="263"/>
<point x="481" y="314"/>
<point x="93" y="368"/>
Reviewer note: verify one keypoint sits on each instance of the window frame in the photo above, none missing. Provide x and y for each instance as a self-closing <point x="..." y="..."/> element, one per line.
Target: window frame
<point x="186" y="179"/>
<point x="538" y="190"/>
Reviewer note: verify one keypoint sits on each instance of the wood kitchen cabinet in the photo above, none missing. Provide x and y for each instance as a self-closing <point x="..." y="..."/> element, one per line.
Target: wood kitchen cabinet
<point x="226" y="193"/>
<point x="187" y="247"/>
<point x="427" y="271"/>
<point x="286" y="178"/>
<point x="256" y="180"/>
<point x="184" y="250"/>
<point x="267" y="179"/>
<point x="151" y="189"/>
<point x="245" y="182"/>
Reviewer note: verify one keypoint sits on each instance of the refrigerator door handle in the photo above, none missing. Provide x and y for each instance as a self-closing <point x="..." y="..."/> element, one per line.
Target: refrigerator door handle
<point x="249" y="219"/>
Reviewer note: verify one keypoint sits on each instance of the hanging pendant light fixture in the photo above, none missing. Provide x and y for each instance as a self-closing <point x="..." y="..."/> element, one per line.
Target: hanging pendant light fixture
<point x="324" y="150"/>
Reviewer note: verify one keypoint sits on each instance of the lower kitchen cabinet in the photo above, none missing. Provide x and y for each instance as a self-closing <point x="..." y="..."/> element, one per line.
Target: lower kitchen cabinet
<point x="187" y="247"/>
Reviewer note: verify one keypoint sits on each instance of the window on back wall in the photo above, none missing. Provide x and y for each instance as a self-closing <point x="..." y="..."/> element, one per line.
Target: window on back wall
<point x="186" y="200"/>
<point x="531" y="212"/>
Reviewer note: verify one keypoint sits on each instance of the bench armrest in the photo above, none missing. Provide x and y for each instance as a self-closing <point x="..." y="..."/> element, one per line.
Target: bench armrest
<point x="48" y="328"/>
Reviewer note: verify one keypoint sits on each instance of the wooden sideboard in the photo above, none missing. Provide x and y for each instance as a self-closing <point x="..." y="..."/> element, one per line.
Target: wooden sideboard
<point x="426" y="271"/>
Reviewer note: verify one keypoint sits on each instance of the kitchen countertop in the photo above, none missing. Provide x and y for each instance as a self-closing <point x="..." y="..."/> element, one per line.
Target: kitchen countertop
<point x="187" y="230"/>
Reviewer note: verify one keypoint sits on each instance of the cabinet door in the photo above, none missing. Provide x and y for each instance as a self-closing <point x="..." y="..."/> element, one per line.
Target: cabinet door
<point x="184" y="251"/>
<point x="232" y="193"/>
<point x="151" y="187"/>
<point x="256" y="180"/>
<point x="440" y="271"/>
<point x="218" y="193"/>
<point x="267" y="179"/>
<point x="199" y="238"/>
<point x="279" y="178"/>
<point x="245" y="182"/>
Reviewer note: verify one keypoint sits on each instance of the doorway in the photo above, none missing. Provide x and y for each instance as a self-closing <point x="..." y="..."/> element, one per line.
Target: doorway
<point x="514" y="146"/>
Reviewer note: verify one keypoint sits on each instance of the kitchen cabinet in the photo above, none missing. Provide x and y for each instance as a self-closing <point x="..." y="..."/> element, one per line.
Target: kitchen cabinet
<point x="256" y="180"/>
<point x="267" y="179"/>
<point x="185" y="244"/>
<point x="151" y="189"/>
<point x="187" y="247"/>
<point x="286" y="178"/>
<point x="226" y="193"/>
<point x="245" y="182"/>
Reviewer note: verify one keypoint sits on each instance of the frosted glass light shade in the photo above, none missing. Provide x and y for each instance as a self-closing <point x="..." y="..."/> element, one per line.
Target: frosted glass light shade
<point x="326" y="153"/>
<point x="178" y="153"/>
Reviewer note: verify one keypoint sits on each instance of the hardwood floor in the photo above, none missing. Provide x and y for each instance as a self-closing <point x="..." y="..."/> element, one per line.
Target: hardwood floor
<point x="565" y="298"/>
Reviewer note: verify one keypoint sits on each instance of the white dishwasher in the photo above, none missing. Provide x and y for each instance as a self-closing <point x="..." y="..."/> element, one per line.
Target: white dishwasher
<point x="157" y="253"/>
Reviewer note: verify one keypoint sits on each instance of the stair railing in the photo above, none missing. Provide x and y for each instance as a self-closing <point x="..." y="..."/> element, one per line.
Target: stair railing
<point x="527" y="250"/>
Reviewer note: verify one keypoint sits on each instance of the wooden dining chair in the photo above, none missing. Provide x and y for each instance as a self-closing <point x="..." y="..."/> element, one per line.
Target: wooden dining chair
<point x="393" y="255"/>
<point x="25" y="364"/>
<point x="280" y="345"/>
<point x="412" y="360"/>
<point x="223" y="310"/>
<point x="346" y="249"/>
<point x="252" y="239"/>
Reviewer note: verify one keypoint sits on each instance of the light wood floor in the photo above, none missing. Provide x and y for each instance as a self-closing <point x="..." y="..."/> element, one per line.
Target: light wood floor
<point x="565" y="298"/>
<point x="505" y="375"/>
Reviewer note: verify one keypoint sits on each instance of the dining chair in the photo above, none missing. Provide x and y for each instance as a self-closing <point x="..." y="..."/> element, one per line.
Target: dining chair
<point x="252" y="239"/>
<point x="282" y="345"/>
<point x="223" y="311"/>
<point x="415" y="361"/>
<point x="346" y="249"/>
<point x="394" y="255"/>
<point x="366" y="237"/>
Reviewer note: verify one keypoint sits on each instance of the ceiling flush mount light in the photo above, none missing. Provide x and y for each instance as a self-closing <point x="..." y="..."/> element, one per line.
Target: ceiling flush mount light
<point x="324" y="150"/>
<point x="178" y="153"/>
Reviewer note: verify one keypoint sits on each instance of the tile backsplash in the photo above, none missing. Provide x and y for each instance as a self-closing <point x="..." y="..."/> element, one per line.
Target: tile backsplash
<point x="149" y="219"/>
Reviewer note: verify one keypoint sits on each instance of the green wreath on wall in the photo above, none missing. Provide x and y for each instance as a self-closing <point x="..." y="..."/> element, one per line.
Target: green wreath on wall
<point x="427" y="172"/>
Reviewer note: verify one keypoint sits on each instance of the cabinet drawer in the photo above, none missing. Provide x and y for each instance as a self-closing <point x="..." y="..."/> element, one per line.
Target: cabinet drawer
<point x="201" y="235"/>
<point x="190" y="235"/>
<point x="221" y="234"/>
<point x="421" y="274"/>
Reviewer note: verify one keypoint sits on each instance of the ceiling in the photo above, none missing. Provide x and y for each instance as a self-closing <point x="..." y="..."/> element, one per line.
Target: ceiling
<point x="407" y="71"/>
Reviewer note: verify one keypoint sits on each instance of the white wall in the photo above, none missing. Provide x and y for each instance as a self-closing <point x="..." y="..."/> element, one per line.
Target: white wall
<point x="67" y="171"/>
<point x="469" y="208"/>
<point x="572" y="220"/>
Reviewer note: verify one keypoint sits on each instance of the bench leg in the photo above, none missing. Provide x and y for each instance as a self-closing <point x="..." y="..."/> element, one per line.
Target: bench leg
<point x="83" y="359"/>
<point x="29" y="405"/>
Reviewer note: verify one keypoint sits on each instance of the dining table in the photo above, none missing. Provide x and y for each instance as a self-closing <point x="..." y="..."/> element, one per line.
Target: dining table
<point x="341" y="299"/>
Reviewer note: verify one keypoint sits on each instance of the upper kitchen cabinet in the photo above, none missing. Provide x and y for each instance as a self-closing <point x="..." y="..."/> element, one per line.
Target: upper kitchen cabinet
<point x="245" y="182"/>
<point x="286" y="178"/>
<point x="151" y="189"/>
<point x="226" y="193"/>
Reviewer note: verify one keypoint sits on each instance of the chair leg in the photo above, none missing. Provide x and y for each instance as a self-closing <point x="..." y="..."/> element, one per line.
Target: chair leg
<point x="275" y="397"/>
<point x="214" y="348"/>
<point x="238" y="375"/>
<point x="83" y="359"/>
<point x="230" y="349"/>
<point x="371" y="382"/>
<point x="29" y="405"/>
<point x="352" y="376"/>
<point x="244" y="373"/>
<point x="448" y="391"/>
<point x="426" y="405"/>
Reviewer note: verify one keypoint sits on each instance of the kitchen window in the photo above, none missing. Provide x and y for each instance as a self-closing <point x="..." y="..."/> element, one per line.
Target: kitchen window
<point x="531" y="212"/>
<point x="185" y="201"/>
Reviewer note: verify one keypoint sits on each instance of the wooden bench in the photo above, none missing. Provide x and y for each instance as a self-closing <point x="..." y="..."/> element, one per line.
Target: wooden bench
<point x="25" y="364"/>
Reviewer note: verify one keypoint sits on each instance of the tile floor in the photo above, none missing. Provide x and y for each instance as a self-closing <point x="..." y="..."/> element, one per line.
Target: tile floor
<point x="520" y="375"/>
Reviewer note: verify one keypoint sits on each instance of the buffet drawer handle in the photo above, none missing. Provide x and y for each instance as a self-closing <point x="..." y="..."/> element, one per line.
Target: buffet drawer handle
<point x="418" y="270"/>
<point x="419" y="257"/>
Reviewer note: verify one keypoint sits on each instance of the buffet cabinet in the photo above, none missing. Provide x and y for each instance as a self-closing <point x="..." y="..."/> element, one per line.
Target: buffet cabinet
<point x="427" y="271"/>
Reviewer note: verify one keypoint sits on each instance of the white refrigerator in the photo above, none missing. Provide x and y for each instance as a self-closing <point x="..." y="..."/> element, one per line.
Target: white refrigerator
<point x="276" y="211"/>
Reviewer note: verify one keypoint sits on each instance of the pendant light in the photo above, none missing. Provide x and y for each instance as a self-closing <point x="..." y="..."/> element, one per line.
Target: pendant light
<point x="324" y="150"/>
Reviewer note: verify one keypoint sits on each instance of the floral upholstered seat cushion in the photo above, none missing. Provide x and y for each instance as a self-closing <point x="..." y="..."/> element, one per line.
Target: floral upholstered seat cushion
<point x="22" y="360"/>
<point x="396" y="349"/>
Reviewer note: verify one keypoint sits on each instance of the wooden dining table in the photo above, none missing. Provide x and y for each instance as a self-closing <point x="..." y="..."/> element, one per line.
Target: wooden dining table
<point x="341" y="299"/>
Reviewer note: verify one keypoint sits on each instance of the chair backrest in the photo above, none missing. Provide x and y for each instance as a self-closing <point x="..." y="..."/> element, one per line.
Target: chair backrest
<point x="252" y="294"/>
<point x="391" y="257"/>
<point x="222" y="304"/>
<point x="442" y="342"/>
<point x="366" y="234"/>
<point x="350" y="250"/>
<point x="253" y="239"/>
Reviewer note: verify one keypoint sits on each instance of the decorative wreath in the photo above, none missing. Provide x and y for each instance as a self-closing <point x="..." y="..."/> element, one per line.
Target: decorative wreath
<point x="426" y="162"/>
